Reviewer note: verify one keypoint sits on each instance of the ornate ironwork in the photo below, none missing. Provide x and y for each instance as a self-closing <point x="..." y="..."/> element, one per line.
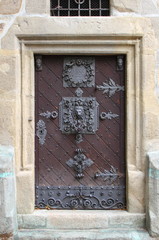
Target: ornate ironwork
<point x="79" y="92"/>
<point x="79" y="115"/>
<point x="80" y="197"/>
<point x="48" y="114"/>
<point x="110" y="176"/>
<point x="38" y="62"/>
<point x="120" y="63"/>
<point x="80" y="8"/>
<point x="79" y="72"/>
<point x="41" y="131"/>
<point x="110" y="88"/>
<point x="79" y="1"/>
<point x="79" y="163"/>
<point x="108" y="115"/>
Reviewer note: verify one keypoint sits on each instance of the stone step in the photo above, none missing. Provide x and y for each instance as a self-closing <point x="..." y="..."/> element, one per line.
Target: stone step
<point x="81" y="220"/>
<point x="113" y="234"/>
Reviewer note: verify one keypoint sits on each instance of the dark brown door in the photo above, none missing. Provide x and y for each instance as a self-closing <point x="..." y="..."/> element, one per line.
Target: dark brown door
<point x="80" y="132"/>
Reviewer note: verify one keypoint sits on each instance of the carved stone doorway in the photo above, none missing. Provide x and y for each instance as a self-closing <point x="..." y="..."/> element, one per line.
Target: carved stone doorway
<point x="80" y="132"/>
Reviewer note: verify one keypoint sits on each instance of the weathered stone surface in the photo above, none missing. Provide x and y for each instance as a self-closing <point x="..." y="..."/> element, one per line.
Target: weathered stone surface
<point x="1" y="27"/>
<point x="149" y="7"/>
<point x="155" y="21"/>
<point x="7" y="121"/>
<point x="10" y="6"/>
<point x="7" y="236"/>
<point x="6" y="159"/>
<point x="66" y="219"/>
<point x="77" y="220"/>
<point x="32" y="222"/>
<point x="8" y="223"/>
<point x="25" y="195"/>
<point x="42" y="7"/>
<point x="140" y="7"/>
<point x="153" y="193"/>
<point x="113" y="234"/>
<point x="151" y="124"/>
<point x="48" y="26"/>
<point x="7" y="74"/>
<point x="124" y="6"/>
<point x="136" y="192"/>
<point x="129" y="221"/>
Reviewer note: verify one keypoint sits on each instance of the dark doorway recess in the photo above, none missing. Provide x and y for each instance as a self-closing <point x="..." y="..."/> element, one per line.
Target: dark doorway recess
<point x="80" y="132"/>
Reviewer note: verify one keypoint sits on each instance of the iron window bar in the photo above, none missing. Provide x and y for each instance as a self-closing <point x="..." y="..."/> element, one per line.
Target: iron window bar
<point x="80" y="8"/>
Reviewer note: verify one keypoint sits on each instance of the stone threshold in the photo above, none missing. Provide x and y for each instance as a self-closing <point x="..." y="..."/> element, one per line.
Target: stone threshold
<point x="113" y="234"/>
<point x="81" y="220"/>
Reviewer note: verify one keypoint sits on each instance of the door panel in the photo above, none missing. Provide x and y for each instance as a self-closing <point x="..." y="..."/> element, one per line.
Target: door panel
<point x="80" y="132"/>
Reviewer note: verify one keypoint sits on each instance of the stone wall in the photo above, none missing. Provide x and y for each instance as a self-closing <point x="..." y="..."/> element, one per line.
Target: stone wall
<point x="22" y="19"/>
<point x="8" y="217"/>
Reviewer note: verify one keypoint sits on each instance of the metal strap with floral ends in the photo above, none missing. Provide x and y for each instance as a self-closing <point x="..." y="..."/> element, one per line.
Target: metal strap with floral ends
<point x="110" y="88"/>
<point x="110" y="176"/>
<point x="108" y="115"/>
<point x="48" y="114"/>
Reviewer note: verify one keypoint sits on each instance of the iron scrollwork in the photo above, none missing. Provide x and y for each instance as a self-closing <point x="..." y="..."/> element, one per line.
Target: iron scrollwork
<point x="41" y="131"/>
<point x="79" y="163"/>
<point x="110" y="88"/>
<point x="79" y="72"/>
<point x="80" y="197"/>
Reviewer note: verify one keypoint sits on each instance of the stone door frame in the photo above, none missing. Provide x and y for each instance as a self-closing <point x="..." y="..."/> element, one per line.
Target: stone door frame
<point x="85" y="45"/>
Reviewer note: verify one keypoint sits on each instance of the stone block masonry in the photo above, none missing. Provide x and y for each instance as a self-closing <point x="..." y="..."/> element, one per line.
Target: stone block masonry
<point x="153" y="193"/>
<point x="8" y="220"/>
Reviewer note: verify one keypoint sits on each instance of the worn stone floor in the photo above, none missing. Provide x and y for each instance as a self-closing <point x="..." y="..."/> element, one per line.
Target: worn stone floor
<point x="116" y="234"/>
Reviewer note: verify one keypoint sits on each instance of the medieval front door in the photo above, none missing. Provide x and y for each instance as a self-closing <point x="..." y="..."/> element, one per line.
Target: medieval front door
<point x="80" y="132"/>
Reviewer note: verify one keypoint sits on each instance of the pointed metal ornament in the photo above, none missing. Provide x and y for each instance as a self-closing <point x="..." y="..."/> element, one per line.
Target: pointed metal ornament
<point x="110" y="176"/>
<point x="48" y="114"/>
<point x="108" y="115"/>
<point x="110" y="88"/>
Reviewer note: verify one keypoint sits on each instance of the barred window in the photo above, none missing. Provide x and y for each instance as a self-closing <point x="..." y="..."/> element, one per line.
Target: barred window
<point x="80" y="8"/>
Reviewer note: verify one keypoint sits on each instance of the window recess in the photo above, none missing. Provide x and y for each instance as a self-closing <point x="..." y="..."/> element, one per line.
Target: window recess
<point x="80" y="8"/>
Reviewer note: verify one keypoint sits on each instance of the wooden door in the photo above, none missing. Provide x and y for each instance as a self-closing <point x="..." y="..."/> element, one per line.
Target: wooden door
<point x="80" y="132"/>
